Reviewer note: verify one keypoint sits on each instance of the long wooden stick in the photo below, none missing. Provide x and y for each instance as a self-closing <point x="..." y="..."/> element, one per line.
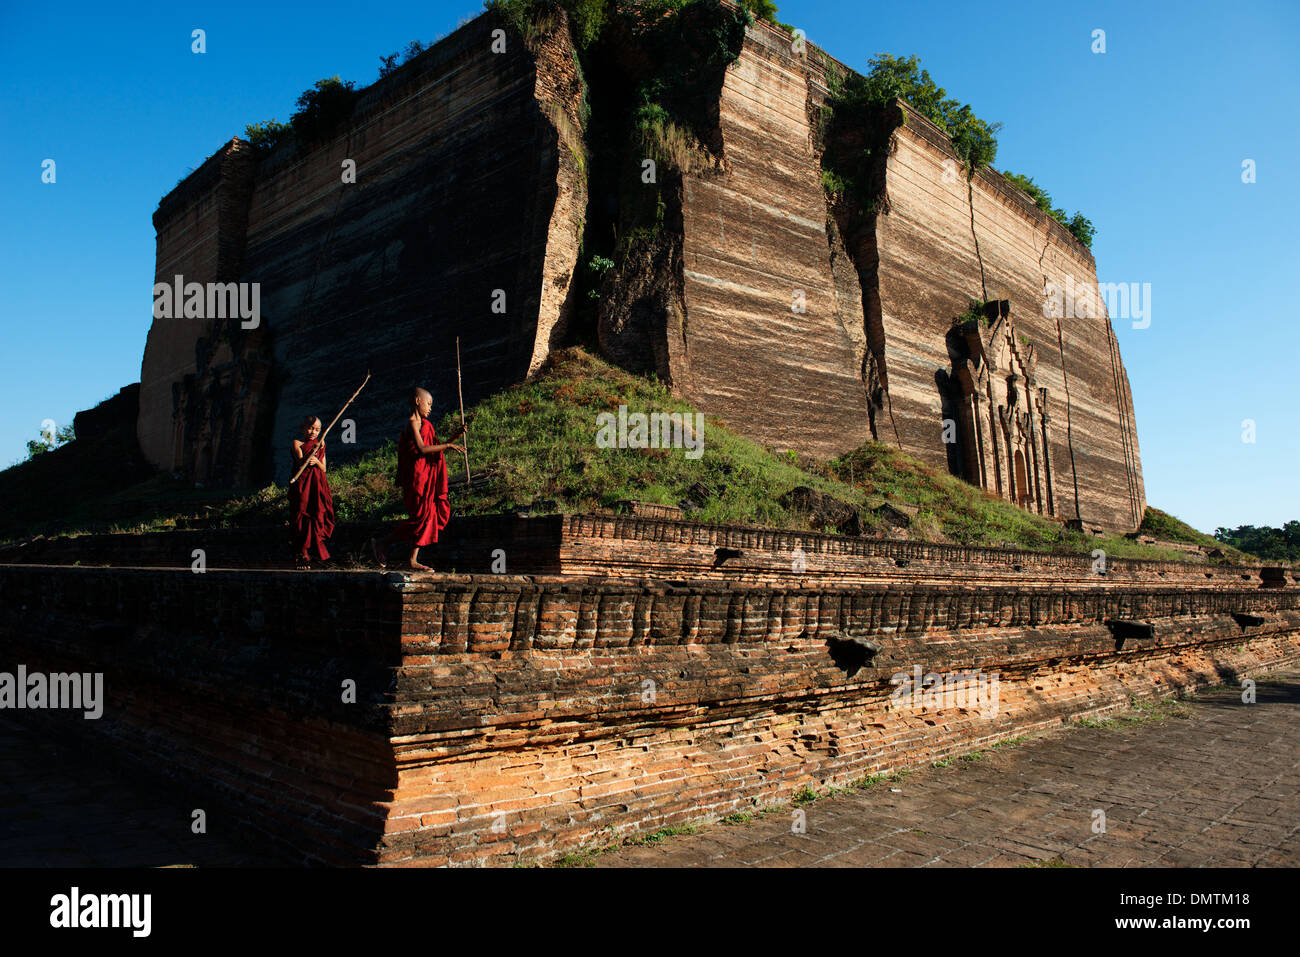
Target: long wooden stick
<point x="464" y="439"/>
<point x="321" y="441"/>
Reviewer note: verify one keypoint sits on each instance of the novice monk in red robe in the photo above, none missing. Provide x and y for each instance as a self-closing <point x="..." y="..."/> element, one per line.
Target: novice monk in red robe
<point x="311" y="506"/>
<point x="422" y="474"/>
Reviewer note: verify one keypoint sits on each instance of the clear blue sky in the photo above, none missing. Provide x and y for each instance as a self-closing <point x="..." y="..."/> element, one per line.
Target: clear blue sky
<point x="1146" y="139"/>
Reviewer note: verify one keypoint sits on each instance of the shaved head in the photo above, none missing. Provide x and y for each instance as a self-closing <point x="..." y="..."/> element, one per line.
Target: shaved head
<point x="419" y="396"/>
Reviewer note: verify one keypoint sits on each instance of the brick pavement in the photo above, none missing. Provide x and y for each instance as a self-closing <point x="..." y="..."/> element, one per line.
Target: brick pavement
<point x="1212" y="782"/>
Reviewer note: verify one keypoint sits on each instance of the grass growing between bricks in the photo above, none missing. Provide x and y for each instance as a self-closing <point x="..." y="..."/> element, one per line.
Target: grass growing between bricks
<point x="587" y="856"/>
<point x="1050" y="862"/>
<point x="1140" y="712"/>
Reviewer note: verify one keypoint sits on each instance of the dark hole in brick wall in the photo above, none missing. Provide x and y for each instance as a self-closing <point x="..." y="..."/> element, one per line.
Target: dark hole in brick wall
<point x="851" y="655"/>
<point x="1124" y="629"/>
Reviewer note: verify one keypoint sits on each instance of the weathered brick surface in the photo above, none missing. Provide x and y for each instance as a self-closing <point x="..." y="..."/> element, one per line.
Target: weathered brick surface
<point x="468" y="180"/>
<point x="933" y="259"/>
<point x="1212" y="785"/>
<point x="505" y="717"/>
<point x="752" y="238"/>
<point x="875" y="309"/>
<point x="472" y="178"/>
<point x="202" y="230"/>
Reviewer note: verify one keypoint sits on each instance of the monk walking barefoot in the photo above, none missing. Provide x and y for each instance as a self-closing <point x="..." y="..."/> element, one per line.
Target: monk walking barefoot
<point x="311" y="505"/>
<point x="422" y="474"/>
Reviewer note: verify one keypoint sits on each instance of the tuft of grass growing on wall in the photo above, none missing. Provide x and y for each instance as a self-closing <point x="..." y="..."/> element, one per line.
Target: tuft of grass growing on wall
<point x="667" y="142"/>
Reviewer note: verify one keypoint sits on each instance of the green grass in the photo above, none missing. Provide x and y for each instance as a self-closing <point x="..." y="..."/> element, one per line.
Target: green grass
<point x="1164" y="526"/>
<point x="1050" y="862"/>
<point x="535" y="443"/>
<point x="805" y="795"/>
<point x="954" y="511"/>
<point x="658" y="837"/>
<point x="883" y="777"/>
<point x="1140" y="712"/>
<point x="586" y="857"/>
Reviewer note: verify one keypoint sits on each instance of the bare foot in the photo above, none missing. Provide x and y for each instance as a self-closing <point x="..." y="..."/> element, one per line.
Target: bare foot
<point x="378" y="552"/>
<point x="416" y="566"/>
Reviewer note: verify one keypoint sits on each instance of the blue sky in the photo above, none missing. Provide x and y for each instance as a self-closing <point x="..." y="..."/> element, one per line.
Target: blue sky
<point x="1147" y="139"/>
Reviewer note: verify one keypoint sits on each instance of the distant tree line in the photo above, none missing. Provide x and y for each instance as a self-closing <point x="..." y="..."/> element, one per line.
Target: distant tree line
<point x="1264" y="541"/>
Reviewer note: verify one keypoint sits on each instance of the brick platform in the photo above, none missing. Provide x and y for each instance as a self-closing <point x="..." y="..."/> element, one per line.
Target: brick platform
<point x="506" y="718"/>
<point x="621" y="546"/>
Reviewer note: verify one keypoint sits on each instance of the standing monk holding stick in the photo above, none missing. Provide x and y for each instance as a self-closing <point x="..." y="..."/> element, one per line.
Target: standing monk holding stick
<point x="311" y="506"/>
<point x="422" y="474"/>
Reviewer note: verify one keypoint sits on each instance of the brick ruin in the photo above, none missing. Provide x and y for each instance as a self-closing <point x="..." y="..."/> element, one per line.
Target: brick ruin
<point x="624" y="674"/>
<point x="473" y="176"/>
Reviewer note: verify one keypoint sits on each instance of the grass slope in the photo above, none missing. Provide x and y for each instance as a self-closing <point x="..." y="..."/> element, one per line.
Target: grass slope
<point x="1164" y="526"/>
<point x="535" y="444"/>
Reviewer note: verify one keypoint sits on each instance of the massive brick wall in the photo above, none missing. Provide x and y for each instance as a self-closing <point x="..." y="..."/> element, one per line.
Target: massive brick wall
<point x="934" y="259"/>
<point x="755" y="247"/>
<point x="469" y="179"/>
<point x="201" y="231"/>
<point x="504" y="718"/>
<point x="759" y="237"/>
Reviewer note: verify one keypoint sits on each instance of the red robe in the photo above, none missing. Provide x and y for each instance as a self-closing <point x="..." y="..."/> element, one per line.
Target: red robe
<point x="311" y="507"/>
<point x="423" y="479"/>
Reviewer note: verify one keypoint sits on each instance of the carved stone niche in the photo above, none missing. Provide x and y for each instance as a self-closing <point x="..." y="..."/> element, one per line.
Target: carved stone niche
<point x="1004" y="428"/>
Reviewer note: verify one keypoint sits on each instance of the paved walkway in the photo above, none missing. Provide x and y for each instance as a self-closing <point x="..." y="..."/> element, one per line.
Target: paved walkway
<point x="1213" y="783"/>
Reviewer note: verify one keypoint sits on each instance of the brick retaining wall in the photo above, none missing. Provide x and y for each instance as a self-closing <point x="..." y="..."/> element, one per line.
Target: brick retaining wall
<point x="507" y="718"/>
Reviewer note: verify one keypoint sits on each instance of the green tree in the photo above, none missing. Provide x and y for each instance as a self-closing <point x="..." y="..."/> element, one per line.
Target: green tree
<point x="1264" y="541"/>
<point x="50" y="440"/>
<point x="265" y="137"/>
<point x="1079" y="225"/>
<point x="974" y="140"/>
<point x="1082" y="228"/>
<point x="763" y="10"/>
<point x="322" y="108"/>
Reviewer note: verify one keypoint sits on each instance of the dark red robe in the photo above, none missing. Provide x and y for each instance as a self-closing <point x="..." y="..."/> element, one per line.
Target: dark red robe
<point x="311" y="507"/>
<point x="423" y="479"/>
